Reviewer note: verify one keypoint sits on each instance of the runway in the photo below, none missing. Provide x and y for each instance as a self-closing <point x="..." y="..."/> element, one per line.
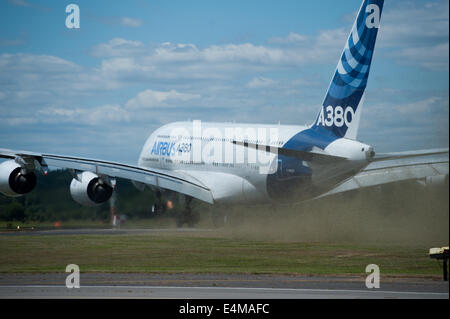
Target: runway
<point x="215" y="286"/>
<point x="152" y="292"/>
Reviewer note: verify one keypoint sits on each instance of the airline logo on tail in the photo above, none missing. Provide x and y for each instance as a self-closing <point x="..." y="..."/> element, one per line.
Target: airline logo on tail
<point x="341" y="108"/>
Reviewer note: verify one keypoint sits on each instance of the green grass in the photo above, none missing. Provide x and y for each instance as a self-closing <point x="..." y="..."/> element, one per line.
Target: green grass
<point x="393" y="228"/>
<point x="85" y="223"/>
<point x="203" y="252"/>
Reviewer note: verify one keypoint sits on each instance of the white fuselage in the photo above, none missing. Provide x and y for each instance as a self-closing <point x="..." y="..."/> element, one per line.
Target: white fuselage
<point x="234" y="173"/>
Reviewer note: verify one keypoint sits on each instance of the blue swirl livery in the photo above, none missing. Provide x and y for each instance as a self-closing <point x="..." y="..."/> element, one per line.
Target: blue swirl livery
<point x="341" y="109"/>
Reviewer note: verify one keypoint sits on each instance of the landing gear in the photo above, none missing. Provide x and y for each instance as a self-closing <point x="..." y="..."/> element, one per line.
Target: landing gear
<point x="158" y="208"/>
<point x="187" y="216"/>
<point x="219" y="217"/>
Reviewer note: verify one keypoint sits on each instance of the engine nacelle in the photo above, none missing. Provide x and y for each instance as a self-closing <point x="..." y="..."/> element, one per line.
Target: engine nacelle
<point x="13" y="182"/>
<point x="438" y="180"/>
<point x="89" y="189"/>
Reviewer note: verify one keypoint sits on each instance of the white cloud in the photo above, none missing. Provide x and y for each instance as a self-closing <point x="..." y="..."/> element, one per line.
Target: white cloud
<point x="246" y="52"/>
<point x="18" y="121"/>
<point x="22" y="62"/>
<point x="416" y="33"/>
<point x="11" y="42"/>
<point x="117" y="47"/>
<point x="130" y="22"/>
<point x="260" y="82"/>
<point x="48" y="76"/>
<point x="151" y="98"/>
<point x="314" y="50"/>
<point x="434" y="58"/>
<point x="19" y="3"/>
<point x="421" y="107"/>
<point x="125" y="61"/>
<point x="105" y="114"/>
<point x="419" y="115"/>
<point x="413" y="23"/>
<point x="290" y="39"/>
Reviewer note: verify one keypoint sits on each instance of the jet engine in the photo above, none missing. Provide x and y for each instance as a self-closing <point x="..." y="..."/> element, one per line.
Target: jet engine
<point x="439" y="180"/>
<point x="15" y="181"/>
<point x="89" y="189"/>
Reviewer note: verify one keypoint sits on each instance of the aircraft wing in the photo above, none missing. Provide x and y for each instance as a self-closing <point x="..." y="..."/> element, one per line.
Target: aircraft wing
<point x="175" y="181"/>
<point x="393" y="167"/>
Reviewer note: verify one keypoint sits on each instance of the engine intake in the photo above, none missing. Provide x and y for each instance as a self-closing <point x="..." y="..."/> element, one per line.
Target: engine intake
<point x="89" y="190"/>
<point x="13" y="182"/>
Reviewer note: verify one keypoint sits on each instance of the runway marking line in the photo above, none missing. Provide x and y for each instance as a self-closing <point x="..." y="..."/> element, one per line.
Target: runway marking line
<point x="240" y="288"/>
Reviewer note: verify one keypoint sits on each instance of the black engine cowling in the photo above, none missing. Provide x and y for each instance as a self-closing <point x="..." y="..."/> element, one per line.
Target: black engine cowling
<point x="13" y="182"/>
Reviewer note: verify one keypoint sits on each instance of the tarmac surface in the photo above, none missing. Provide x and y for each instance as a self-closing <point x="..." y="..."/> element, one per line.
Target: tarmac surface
<point x="217" y="286"/>
<point x="207" y="286"/>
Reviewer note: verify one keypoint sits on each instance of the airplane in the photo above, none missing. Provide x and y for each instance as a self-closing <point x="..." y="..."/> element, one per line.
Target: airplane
<point x="239" y="163"/>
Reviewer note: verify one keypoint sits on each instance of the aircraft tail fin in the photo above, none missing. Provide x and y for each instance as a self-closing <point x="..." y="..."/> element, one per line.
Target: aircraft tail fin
<point x="341" y="109"/>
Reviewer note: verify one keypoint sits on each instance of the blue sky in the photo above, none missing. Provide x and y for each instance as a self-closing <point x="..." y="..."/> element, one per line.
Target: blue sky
<point x="100" y="90"/>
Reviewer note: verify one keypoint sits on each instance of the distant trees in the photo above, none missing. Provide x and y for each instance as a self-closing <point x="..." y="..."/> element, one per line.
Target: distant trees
<point x="12" y="211"/>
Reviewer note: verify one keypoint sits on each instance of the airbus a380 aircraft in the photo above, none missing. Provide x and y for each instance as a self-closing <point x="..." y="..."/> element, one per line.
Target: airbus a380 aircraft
<point x="242" y="163"/>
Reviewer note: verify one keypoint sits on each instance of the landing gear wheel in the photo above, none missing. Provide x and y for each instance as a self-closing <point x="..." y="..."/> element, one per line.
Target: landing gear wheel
<point x="158" y="208"/>
<point x="179" y="221"/>
<point x="187" y="216"/>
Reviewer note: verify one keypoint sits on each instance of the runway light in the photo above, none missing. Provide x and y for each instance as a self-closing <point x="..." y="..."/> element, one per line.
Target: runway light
<point x="57" y="224"/>
<point x="18" y="227"/>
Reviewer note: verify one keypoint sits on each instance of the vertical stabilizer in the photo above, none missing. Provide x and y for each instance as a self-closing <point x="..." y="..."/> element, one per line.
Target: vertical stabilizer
<point x="341" y="109"/>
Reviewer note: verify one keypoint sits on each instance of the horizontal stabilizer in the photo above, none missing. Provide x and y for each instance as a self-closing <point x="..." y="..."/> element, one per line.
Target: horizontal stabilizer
<point x="411" y="154"/>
